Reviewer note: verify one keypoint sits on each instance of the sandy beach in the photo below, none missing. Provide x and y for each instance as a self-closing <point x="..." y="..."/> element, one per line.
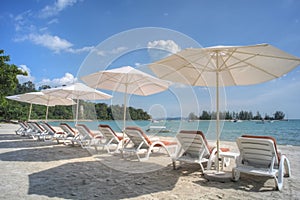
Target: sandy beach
<point x="47" y="170"/>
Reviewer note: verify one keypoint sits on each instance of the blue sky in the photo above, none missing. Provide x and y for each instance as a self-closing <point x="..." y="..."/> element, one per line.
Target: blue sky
<point x="53" y="39"/>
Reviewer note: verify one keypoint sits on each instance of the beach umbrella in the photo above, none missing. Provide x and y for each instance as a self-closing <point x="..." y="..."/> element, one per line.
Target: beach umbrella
<point x="127" y="80"/>
<point x="41" y="99"/>
<point x="225" y="66"/>
<point x="77" y="91"/>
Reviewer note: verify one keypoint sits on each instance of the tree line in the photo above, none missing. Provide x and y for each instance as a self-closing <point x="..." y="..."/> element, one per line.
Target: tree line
<point x="14" y="110"/>
<point x="242" y="115"/>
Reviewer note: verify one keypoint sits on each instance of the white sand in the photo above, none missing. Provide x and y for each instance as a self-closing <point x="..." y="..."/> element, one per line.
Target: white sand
<point x="46" y="170"/>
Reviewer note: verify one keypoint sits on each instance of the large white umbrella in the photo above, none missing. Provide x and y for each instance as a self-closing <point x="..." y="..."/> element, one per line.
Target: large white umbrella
<point x="41" y="99"/>
<point x="127" y="80"/>
<point x="225" y="66"/>
<point x="77" y="91"/>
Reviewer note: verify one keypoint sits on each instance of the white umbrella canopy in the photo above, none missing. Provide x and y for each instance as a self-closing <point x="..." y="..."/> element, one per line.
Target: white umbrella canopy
<point x="127" y="80"/>
<point x="41" y="99"/>
<point x="77" y="91"/>
<point x="235" y="65"/>
<point x="225" y="66"/>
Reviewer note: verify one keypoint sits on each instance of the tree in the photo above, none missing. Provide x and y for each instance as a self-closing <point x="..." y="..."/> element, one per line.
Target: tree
<point x="258" y="116"/>
<point x="205" y="115"/>
<point x="279" y="115"/>
<point x="8" y="83"/>
<point x="25" y="87"/>
<point x="192" y="116"/>
<point x="44" y="87"/>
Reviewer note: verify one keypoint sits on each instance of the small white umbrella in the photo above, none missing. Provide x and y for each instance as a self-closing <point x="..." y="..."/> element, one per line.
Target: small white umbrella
<point x="225" y="65"/>
<point x="77" y="91"/>
<point x="127" y="80"/>
<point x="41" y="99"/>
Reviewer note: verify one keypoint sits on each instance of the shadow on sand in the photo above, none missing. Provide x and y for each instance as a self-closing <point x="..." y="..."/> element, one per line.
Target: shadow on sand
<point x="246" y="183"/>
<point x="45" y="154"/>
<point x="94" y="180"/>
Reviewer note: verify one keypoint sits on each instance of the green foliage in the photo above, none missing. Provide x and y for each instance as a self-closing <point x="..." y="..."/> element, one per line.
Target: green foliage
<point x="242" y="115"/>
<point x="8" y="84"/>
<point x="192" y="116"/>
<point x="205" y="115"/>
<point x="279" y="115"/>
<point x="10" y="109"/>
<point x="25" y="87"/>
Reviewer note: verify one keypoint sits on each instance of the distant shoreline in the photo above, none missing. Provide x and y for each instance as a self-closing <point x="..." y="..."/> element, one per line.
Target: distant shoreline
<point x="90" y="120"/>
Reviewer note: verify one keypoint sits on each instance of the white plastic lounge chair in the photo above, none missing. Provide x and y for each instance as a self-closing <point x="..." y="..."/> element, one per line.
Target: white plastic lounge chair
<point x="140" y="143"/>
<point x="57" y="135"/>
<point x="86" y="137"/>
<point x="194" y="148"/>
<point x="36" y="131"/>
<point x="70" y="134"/>
<point x="110" y="138"/>
<point x="259" y="156"/>
<point x="24" y="129"/>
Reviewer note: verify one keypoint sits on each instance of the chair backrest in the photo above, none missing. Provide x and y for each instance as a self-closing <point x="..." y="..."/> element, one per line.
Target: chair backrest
<point x="85" y="131"/>
<point x="137" y="137"/>
<point x="193" y="143"/>
<point x="67" y="129"/>
<point x="108" y="133"/>
<point x="24" y="125"/>
<point x="36" y="127"/>
<point x="48" y="128"/>
<point x="257" y="150"/>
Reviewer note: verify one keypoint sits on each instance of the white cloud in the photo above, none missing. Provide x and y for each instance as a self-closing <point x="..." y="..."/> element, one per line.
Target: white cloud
<point x="167" y="45"/>
<point x="58" y="6"/>
<point x="110" y="52"/>
<point x="81" y="50"/>
<point x="29" y="77"/>
<point x="53" y="21"/>
<point x="28" y="31"/>
<point x="22" y="21"/>
<point x="159" y="49"/>
<point x="54" y="43"/>
<point x="67" y="79"/>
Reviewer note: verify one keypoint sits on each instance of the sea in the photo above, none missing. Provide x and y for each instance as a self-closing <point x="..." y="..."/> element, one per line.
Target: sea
<point x="285" y="132"/>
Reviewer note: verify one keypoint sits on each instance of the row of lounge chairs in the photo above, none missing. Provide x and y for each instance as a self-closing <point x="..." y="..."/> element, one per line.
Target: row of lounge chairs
<point x="258" y="154"/>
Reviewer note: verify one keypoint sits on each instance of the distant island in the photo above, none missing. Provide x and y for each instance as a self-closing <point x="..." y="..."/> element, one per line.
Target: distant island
<point x="242" y="115"/>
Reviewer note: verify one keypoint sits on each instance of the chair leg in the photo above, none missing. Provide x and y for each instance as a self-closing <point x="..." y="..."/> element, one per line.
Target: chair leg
<point x="278" y="183"/>
<point x="174" y="164"/>
<point x="202" y="168"/>
<point x="283" y="171"/>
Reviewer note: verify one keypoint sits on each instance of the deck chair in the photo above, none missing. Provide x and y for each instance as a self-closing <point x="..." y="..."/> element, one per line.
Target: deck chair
<point x="56" y="135"/>
<point x="70" y="134"/>
<point x="24" y="128"/>
<point x="110" y="138"/>
<point x="259" y="156"/>
<point x="86" y="138"/>
<point x="140" y="143"/>
<point x="194" y="148"/>
<point x="36" y="131"/>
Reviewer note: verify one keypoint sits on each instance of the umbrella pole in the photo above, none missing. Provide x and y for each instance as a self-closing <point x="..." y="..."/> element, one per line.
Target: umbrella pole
<point x="47" y="109"/>
<point x="218" y="122"/>
<point x="30" y="108"/>
<point x="76" y="114"/>
<point x="124" y="114"/>
<point x="124" y="119"/>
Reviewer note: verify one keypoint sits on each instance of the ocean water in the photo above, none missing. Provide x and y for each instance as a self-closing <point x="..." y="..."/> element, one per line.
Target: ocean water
<point x="285" y="132"/>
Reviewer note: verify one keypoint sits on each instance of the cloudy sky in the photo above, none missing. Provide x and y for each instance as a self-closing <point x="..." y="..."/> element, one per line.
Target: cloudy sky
<point x="57" y="41"/>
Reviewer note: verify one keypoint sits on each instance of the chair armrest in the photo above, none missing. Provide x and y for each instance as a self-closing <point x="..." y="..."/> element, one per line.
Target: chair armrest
<point x="154" y="139"/>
